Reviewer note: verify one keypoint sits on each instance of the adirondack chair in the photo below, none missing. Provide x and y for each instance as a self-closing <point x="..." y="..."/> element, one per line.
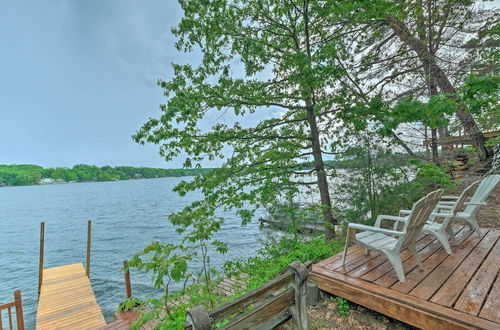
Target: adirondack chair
<point x="448" y="211"/>
<point x="477" y="200"/>
<point x="391" y="242"/>
<point x="449" y="208"/>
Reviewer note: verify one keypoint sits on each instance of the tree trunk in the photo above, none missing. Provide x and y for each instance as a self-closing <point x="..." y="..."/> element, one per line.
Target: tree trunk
<point x="324" y="191"/>
<point x="444" y="133"/>
<point x="434" y="147"/>
<point x="426" y="137"/>
<point x="468" y="122"/>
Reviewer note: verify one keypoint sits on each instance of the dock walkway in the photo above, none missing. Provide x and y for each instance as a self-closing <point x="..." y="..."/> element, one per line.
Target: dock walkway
<point x="67" y="300"/>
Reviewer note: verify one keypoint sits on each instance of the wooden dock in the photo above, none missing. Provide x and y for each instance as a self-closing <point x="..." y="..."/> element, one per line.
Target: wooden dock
<point x="65" y="296"/>
<point x="309" y="228"/>
<point x="457" y="291"/>
<point x="67" y="300"/>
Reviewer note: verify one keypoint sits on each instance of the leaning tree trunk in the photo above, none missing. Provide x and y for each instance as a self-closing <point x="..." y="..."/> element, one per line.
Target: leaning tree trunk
<point x="324" y="191"/>
<point x="466" y="119"/>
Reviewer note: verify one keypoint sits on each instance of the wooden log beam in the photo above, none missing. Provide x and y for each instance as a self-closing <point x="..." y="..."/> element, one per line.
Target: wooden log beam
<point x="264" y="313"/>
<point x="252" y="297"/>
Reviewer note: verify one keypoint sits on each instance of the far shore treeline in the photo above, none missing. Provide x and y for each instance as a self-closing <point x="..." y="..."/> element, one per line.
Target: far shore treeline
<point x="24" y="175"/>
<point x="27" y="174"/>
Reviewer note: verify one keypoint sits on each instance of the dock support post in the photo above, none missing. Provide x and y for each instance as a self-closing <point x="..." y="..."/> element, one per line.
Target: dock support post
<point x="87" y="264"/>
<point x="19" y="309"/>
<point x="40" y="262"/>
<point x="299" y="310"/>
<point x="313" y="294"/>
<point x="128" y="287"/>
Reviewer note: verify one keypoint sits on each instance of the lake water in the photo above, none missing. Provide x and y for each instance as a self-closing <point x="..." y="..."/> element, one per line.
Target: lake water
<point x="126" y="216"/>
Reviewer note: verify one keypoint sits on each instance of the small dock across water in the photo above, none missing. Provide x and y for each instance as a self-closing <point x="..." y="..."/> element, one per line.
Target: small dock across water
<point x="67" y="300"/>
<point x="309" y="228"/>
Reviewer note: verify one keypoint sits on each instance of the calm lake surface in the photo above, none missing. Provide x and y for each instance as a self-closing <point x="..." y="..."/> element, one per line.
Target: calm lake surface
<point x="126" y="216"/>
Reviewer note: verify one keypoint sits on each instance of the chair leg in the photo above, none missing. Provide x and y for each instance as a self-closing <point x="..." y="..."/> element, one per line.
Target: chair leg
<point x="443" y="239"/>
<point x="395" y="260"/>
<point x="413" y="250"/>
<point x="449" y="231"/>
<point x="367" y="252"/>
<point x="474" y="225"/>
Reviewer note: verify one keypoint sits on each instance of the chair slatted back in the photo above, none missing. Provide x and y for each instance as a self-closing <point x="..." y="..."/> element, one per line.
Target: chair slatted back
<point x="483" y="191"/>
<point x="419" y="214"/>
<point x="466" y="194"/>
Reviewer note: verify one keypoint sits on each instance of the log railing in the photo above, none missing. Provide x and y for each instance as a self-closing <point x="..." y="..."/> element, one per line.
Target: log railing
<point x="266" y="307"/>
<point x="18" y="305"/>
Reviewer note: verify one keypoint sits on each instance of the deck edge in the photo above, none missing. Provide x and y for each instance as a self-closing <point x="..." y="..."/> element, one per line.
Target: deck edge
<point x="408" y="309"/>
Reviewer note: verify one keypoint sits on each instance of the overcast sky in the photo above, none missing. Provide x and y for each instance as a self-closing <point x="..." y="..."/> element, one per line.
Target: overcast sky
<point x="78" y="78"/>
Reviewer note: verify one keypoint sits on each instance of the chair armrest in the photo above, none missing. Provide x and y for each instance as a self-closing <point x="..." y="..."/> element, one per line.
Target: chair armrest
<point x="389" y="217"/>
<point x="404" y="211"/>
<point x="446" y="203"/>
<point x="375" y="229"/>
<point x="449" y="197"/>
<point x="475" y="203"/>
<point x="444" y="215"/>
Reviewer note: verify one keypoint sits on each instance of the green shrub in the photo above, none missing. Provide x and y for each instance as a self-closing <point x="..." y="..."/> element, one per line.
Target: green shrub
<point x="274" y="257"/>
<point x="342" y="306"/>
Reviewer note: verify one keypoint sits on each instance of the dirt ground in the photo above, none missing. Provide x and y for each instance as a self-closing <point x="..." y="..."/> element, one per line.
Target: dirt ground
<point x="326" y="315"/>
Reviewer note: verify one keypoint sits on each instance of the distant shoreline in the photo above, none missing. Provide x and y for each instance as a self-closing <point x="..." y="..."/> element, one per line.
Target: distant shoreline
<point x="32" y="175"/>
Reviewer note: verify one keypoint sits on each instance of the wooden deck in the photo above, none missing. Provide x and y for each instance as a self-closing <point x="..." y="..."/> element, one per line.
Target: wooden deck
<point x="457" y="291"/>
<point x="67" y="300"/>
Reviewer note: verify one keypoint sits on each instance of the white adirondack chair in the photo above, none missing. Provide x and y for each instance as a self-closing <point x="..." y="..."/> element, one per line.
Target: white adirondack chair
<point x="391" y="242"/>
<point x="477" y="200"/>
<point x="448" y="211"/>
<point x="449" y="208"/>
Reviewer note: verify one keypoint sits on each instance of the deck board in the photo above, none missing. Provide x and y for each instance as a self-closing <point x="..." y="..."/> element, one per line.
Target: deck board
<point x="67" y="300"/>
<point x="451" y="290"/>
<point x="490" y="309"/>
<point x="472" y="298"/>
<point x="427" y="287"/>
<point x="457" y="291"/>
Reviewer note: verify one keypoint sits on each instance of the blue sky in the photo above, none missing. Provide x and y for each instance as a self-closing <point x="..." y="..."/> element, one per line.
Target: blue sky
<point x="78" y="78"/>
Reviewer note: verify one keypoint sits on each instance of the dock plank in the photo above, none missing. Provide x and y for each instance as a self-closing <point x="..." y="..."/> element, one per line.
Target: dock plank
<point x="67" y="300"/>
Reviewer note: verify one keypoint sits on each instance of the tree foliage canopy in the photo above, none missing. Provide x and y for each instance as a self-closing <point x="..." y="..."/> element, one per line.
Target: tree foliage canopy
<point x="270" y="60"/>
